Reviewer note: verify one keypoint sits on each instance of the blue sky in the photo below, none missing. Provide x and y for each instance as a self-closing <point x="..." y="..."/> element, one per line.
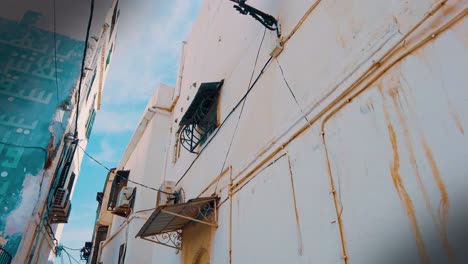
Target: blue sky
<point x="147" y="51"/>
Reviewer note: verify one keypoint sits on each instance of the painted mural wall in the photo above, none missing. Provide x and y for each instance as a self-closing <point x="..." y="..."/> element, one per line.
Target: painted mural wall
<point x="36" y="83"/>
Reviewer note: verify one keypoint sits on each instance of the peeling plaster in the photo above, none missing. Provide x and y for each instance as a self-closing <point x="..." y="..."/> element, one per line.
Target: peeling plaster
<point x="17" y="220"/>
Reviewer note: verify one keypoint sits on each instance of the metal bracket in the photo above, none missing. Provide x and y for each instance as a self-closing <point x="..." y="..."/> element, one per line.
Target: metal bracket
<point x="207" y="215"/>
<point x="265" y="19"/>
<point x="169" y="239"/>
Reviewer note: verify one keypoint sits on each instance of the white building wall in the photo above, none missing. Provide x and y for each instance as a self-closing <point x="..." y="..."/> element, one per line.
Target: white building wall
<point x="145" y="160"/>
<point x="366" y="166"/>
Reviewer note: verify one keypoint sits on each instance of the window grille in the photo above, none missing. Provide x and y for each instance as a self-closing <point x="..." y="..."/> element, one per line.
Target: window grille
<point x="201" y="118"/>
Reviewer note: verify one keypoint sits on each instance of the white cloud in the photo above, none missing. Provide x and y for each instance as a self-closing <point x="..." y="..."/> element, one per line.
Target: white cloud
<point x="107" y="153"/>
<point x="135" y="73"/>
<point x="115" y="122"/>
<point x="79" y="235"/>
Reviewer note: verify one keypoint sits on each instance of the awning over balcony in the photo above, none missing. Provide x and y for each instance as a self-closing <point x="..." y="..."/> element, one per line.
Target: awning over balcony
<point x="166" y="222"/>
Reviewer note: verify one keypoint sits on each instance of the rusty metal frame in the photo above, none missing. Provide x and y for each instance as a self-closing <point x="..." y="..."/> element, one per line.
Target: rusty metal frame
<point x="206" y="214"/>
<point x="168" y="239"/>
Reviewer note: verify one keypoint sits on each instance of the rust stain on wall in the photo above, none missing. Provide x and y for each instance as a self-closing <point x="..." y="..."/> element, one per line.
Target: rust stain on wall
<point x="442" y="229"/>
<point x="405" y="199"/>
<point x="404" y="196"/>
<point x="460" y="33"/>
<point x="300" y="247"/>
<point x="457" y="121"/>
<point x="50" y="153"/>
<point x="444" y="200"/>
<point x="394" y="87"/>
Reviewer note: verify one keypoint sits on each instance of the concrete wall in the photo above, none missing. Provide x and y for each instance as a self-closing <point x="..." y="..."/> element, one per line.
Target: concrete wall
<point x="364" y="164"/>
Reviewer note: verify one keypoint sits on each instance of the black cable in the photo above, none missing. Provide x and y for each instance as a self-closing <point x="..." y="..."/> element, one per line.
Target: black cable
<point x="74" y="249"/>
<point x="70" y="256"/>
<point x="227" y="117"/>
<point x="290" y="90"/>
<point x="241" y="111"/>
<point x="46" y="153"/>
<point x="117" y="175"/>
<point x="83" y="61"/>
<point x="69" y="259"/>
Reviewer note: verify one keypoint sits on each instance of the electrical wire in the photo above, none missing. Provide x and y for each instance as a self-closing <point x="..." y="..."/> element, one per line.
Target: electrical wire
<point x="69" y="259"/>
<point x="227" y="117"/>
<point x="241" y="111"/>
<point x="290" y="90"/>
<point x="70" y="256"/>
<point x="74" y="249"/>
<point x="83" y="61"/>
<point x="117" y="175"/>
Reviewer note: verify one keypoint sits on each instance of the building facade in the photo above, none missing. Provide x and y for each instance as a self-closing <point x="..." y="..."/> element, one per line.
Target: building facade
<point x="338" y="138"/>
<point x="39" y="151"/>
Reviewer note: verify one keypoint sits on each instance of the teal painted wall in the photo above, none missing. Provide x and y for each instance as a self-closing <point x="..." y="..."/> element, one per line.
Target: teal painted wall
<point x="30" y="96"/>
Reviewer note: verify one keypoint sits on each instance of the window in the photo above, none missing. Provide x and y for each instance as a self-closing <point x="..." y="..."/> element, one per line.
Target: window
<point x="90" y="86"/>
<point x="122" y="251"/>
<point x="201" y="118"/>
<point x="71" y="181"/>
<point x="120" y="181"/>
<point x="109" y="56"/>
<point x="115" y="15"/>
<point x="65" y="162"/>
<point x="89" y="126"/>
<point x="91" y="117"/>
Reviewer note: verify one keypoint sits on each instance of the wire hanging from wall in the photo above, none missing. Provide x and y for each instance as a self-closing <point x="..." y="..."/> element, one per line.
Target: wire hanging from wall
<point x="117" y="175"/>
<point x="227" y="117"/>
<point x="291" y="91"/>
<point x="241" y="111"/>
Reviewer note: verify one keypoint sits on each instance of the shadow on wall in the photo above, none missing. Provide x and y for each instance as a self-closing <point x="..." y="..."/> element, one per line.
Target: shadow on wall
<point x="435" y="252"/>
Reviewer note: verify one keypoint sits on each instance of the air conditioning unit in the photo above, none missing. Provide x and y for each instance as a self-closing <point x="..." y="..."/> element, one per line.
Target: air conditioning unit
<point x="164" y="197"/>
<point x="59" y="215"/>
<point x="125" y="196"/>
<point x="60" y="199"/>
<point x="124" y="200"/>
